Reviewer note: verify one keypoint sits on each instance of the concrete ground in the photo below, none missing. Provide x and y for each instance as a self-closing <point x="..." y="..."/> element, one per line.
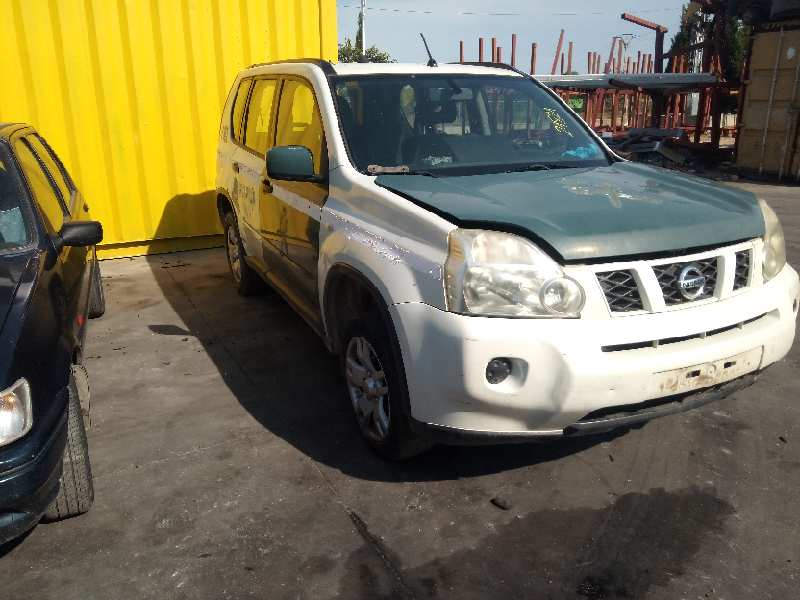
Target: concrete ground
<point x="227" y="465"/>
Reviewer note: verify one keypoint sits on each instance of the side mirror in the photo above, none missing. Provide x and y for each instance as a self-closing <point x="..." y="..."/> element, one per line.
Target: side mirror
<point x="291" y="163"/>
<point x="81" y="233"/>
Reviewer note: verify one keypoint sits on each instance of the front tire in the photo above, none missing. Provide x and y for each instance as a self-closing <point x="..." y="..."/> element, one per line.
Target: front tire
<point x="376" y="389"/>
<point x="76" y="492"/>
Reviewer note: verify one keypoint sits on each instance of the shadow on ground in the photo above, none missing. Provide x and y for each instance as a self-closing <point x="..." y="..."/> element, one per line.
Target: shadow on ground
<point x="593" y="553"/>
<point x="282" y="374"/>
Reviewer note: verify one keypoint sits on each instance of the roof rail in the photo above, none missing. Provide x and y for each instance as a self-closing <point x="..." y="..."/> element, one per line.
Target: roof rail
<point x="496" y="65"/>
<point x="325" y="65"/>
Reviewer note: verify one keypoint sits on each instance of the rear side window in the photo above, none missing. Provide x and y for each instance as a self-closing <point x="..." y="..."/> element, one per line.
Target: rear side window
<point x="299" y="122"/>
<point x="238" y="109"/>
<point x="259" y="116"/>
<point x="15" y="228"/>
<point x="53" y="167"/>
<point x="43" y="191"/>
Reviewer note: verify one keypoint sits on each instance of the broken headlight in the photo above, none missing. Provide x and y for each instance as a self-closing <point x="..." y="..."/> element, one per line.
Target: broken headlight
<point x="500" y="274"/>
<point x="774" y="243"/>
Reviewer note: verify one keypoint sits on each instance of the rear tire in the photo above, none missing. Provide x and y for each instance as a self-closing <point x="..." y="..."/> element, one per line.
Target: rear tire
<point x="248" y="282"/>
<point x="370" y="363"/>
<point x="76" y="492"/>
<point x="97" y="298"/>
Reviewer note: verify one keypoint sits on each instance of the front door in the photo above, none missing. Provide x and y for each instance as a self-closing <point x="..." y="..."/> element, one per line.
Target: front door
<point x="299" y="124"/>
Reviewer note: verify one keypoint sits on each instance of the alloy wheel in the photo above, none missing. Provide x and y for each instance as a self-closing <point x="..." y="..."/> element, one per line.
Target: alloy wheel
<point x="368" y="389"/>
<point x="234" y="256"/>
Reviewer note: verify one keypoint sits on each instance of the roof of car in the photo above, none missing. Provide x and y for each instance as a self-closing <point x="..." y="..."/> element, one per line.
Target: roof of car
<point x="390" y="68"/>
<point x="416" y="68"/>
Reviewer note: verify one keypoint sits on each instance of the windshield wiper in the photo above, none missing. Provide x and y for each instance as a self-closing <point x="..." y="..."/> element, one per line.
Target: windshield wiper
<point x="538" y="167"/>
<point x="398" y="170"/>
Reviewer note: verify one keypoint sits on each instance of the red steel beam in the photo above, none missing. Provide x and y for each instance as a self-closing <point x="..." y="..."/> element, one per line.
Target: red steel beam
<point x="660" y="31"/>
<point x="461" y="51"/>
<point x="534" y="47"/>
<point x="558" y="53"/>
<point x="569" y="57"/>
<point x="480" y="49"/>
<point x="643" y="22"/>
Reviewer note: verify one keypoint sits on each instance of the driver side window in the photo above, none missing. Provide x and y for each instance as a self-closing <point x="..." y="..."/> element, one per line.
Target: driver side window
<point x="299" y="121"/>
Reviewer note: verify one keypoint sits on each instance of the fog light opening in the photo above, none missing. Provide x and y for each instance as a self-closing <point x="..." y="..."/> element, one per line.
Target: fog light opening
<point x="498" y="370"/>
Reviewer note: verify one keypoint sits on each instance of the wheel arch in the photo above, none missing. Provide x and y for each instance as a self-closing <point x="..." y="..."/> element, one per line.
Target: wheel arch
<point x="348" y="291"/>
<point x="224" y="203"/>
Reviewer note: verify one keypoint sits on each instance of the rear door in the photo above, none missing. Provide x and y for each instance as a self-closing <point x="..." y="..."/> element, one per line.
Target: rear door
<point x="259" y="136"/>
<point x="241" y="190"/>
<point x="299" y="124"/>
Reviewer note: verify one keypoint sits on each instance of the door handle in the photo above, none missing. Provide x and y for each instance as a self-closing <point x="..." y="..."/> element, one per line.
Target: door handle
<point x="235" y="167"/>
<point x="267" y="185"/>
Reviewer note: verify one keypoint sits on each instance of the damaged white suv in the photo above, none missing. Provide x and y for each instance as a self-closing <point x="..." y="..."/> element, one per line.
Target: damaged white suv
<point x="484" y="265"/>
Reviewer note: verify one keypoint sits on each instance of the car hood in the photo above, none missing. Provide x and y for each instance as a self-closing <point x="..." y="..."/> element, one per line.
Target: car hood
<point x="12" y="269"/>
<point x="590" y="213"/>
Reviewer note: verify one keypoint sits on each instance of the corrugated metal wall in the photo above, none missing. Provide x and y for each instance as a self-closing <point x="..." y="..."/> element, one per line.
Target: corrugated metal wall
<point x="772" y="104"/>
<point x="129" y="93"/>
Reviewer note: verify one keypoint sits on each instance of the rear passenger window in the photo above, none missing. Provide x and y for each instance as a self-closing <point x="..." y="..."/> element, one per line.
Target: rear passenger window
<point x="299" y="122"/>
<point x="259" y="116"/>
<point x="43" y="191"/>
<point x="238" y="109"/>
<point x="53" y="168"/>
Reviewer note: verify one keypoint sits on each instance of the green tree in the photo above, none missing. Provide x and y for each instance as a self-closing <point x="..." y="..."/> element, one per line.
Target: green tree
<point x="350" y="51"/>
<point x="733" y="39"/>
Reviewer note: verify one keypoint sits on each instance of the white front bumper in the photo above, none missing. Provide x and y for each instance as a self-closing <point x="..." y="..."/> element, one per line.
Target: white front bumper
<point x="561" y="372"/>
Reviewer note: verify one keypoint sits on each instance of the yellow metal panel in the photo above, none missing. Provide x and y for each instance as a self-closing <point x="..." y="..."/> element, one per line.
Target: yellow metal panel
<point x="129" y="93"/>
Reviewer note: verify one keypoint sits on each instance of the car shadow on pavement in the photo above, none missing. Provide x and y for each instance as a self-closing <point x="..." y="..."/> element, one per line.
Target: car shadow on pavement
<point x="282" y="374"/>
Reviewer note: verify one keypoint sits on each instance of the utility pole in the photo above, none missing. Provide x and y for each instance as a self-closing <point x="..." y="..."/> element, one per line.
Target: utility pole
<point x="363" y="27"/>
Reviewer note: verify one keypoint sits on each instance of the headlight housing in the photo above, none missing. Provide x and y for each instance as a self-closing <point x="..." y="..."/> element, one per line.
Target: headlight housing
<point x="499" y="274"/>
<point x="774" y="243"/>
<point x="16" y="412"/>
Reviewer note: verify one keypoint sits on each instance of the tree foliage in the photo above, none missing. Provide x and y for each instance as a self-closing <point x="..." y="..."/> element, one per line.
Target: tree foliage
<point x="350" y="51"/>
<point x="733" y="40"/>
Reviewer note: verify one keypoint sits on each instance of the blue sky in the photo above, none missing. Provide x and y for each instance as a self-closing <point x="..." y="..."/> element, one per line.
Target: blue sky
<point x="393" y="25"/>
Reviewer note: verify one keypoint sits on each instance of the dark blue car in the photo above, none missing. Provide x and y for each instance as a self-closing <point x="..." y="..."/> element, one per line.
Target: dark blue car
<point x="49" y="286"/>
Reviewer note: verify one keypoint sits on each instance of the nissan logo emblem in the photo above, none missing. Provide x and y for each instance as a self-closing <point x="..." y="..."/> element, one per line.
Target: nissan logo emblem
<point x="691" y="282"/>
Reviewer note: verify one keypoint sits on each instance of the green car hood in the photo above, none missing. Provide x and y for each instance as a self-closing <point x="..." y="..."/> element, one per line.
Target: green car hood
<point x="582" y="214"/>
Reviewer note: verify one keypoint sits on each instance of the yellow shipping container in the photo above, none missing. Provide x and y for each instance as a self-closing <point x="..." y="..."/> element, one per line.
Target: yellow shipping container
<point x="129" y="93"/>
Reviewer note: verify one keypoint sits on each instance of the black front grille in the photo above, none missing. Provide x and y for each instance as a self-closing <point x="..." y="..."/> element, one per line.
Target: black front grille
<point x="668" y="276"/>
<point x="621" y="290"/>
<point x="742" y="275"/>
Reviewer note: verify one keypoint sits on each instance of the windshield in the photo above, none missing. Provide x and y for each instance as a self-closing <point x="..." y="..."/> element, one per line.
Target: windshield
<point x="440" y="124"/>
<point x="14" y="226"/>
